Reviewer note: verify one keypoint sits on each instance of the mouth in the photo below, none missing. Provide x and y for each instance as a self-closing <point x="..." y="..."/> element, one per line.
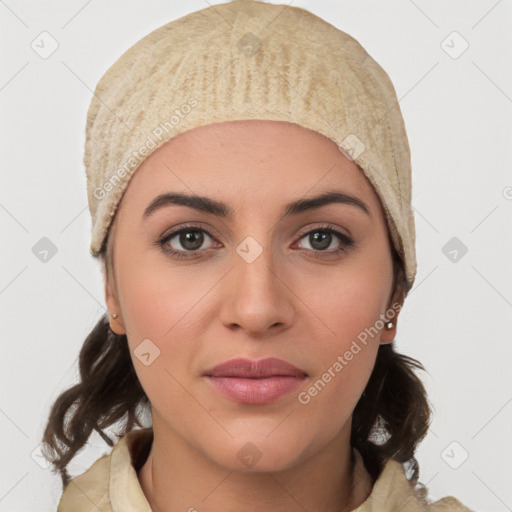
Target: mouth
<point x="255" y="382"/>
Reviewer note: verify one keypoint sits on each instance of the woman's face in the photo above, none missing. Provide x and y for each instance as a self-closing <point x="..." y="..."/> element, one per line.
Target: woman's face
<point x="253" y="281"/>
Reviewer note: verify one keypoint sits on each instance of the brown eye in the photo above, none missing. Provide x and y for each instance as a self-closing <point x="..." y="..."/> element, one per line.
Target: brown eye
<point x="189" y="239"/>
<point x="322" y="238"/>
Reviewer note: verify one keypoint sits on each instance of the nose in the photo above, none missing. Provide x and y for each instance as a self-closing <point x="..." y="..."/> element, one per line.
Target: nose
<point x="257" y="297"/>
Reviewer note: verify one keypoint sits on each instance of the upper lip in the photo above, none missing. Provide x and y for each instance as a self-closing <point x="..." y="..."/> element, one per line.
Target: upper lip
<point x="246" y="368"/>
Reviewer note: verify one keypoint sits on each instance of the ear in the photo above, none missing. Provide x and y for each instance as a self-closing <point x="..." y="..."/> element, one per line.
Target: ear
<point x="113" y="306"/>
<point x="392" y="313"/>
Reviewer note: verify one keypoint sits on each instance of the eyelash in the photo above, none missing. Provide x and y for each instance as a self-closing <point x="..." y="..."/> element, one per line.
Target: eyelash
<point x="326" y="228"/>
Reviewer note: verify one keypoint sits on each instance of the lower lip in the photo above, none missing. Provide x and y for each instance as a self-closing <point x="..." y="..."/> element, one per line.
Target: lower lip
<point x="256" y="391"/>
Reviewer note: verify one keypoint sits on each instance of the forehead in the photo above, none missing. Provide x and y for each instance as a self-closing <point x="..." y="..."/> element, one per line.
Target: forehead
<point x="248" y="163"/>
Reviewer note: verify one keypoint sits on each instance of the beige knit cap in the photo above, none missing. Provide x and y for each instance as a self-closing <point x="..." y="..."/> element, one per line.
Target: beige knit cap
<point x="248" y="60"/>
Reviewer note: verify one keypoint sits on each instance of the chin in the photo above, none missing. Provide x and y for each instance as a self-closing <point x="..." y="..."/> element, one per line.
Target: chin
<point x="258" y="454"/>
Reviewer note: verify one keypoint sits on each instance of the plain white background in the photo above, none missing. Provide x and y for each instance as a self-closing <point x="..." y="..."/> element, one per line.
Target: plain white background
<point x="457" y="320"/>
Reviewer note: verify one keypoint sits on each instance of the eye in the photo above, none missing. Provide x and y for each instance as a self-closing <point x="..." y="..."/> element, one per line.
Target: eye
<point x="323" y="237"/>
<point x="188" y="239"/>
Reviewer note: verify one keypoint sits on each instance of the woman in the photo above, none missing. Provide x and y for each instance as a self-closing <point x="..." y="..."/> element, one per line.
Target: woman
<point x="249" y="186"/>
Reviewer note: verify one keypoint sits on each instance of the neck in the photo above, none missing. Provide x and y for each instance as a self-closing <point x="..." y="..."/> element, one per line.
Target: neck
<point x="176" y="477"/>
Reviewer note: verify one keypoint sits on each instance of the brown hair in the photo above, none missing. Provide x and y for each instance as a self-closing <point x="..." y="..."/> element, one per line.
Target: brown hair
<point x="390" y="419"/>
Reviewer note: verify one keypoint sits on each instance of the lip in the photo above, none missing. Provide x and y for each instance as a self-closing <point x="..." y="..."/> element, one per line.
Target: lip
<point x="255" y="382"/>
<point x="249" y="369"/>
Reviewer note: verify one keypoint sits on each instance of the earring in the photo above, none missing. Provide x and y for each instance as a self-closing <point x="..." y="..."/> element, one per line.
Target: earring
<point x="114" y="316"/>
<point x="389" y="325"/>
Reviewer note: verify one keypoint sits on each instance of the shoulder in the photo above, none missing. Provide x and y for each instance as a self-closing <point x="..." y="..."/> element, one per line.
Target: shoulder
<point x="89" y="490"/>
<point x="448" y="504"/>
<point x="111" y="483"/>
<point x="392" y="491"/>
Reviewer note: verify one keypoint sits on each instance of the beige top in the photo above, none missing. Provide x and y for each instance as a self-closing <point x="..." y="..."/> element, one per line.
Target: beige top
<point x="111" y="484"/>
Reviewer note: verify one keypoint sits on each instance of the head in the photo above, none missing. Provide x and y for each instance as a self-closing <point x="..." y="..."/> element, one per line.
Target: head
<point x="305" y="299"/>
<point x="263" y="276"/>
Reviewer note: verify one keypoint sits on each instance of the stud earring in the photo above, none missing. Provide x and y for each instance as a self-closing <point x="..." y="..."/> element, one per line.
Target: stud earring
<point x="114" y="316"/>
<point x="389" y="325"/>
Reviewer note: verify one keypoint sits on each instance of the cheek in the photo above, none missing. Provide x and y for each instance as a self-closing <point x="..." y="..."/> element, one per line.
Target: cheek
<point x="169" y="307"/>
<point x="161" y="300"/>
<point x="354" y="324"/>
<point x="345" y="360"/>
<point x="347" y="304"/>
<point x="347" y="315"/>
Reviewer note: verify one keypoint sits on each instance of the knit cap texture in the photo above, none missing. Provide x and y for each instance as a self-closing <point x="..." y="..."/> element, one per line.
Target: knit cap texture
<point x="242" y="60"/>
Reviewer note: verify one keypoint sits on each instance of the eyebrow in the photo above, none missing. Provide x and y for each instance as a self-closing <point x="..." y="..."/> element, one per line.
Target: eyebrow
<point x="207" y="205"/>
